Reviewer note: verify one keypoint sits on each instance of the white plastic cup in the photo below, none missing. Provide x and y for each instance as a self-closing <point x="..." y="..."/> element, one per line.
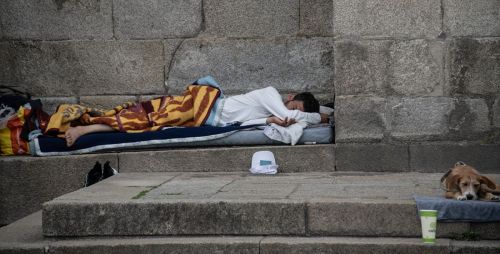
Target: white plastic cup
<point x="429" y="223"/>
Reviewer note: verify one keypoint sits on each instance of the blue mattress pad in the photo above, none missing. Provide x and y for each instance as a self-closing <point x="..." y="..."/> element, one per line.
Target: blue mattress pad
<point x="172" y="137"/>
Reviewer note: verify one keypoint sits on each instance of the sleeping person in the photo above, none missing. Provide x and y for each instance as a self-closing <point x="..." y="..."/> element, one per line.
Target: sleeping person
<point x="201" y="104"/>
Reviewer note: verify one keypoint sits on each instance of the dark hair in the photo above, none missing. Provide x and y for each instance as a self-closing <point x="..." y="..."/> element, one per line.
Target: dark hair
<point x="310" y="103"/>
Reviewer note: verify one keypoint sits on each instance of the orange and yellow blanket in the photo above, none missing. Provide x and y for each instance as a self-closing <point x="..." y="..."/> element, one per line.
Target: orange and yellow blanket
<point x="190" y="109"/>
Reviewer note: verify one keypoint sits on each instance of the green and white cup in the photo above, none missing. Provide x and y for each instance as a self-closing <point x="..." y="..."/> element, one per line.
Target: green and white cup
<point x="429" y="223"/>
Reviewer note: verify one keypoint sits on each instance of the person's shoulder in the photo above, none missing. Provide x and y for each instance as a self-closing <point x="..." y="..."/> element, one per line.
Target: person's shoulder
<point x="270" y="89"/>
<point x="265" y="90"/>
<point x="265" y="93"/>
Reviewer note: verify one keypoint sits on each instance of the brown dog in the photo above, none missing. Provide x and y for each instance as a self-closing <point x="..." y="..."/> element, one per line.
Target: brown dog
<point x="463" y="182"/>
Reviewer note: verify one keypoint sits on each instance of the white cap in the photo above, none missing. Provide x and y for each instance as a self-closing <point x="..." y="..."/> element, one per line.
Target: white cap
<point x="263" y="162"/>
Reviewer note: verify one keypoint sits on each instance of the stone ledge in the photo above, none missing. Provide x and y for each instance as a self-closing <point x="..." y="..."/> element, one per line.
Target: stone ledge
<point x="300" y="204"/>
<point x="440" y="157"/>
<point x="24" y="179"/>
<point x="371" y="157"/>
<point x="24" y="236"/>
<point x="432" y="157"/>
<point x="300" y="158"/>
<point x="27" y="182"/>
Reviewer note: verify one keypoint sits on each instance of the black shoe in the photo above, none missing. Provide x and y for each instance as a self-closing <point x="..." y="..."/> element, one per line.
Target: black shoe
<point x="94" y="175"/>
<point x="108" y="171"/>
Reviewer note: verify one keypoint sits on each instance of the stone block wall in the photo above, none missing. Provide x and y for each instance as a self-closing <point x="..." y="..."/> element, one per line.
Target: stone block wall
<point x="401" y="71"/>
<point x="417" y="71"/>
<point x="104" y="52"/>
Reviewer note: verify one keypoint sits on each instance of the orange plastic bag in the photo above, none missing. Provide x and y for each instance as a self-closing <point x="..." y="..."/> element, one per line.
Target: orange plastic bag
<point x="11" y="142"/>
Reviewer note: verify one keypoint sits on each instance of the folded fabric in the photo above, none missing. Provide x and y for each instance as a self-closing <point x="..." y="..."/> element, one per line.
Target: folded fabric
<point x="326" y="110"/>
<point x="455" y="210"/>
<point x="266" y="169"/>
<point x="288" y="135"/>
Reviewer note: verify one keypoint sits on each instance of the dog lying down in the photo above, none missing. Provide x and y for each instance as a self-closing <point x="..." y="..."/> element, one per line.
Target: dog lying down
<point x="463" y="182"/>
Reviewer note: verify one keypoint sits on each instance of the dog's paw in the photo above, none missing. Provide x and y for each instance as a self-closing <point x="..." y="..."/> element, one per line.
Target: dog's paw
<point x="493" y="197"/>
<point x="462" y="198"/>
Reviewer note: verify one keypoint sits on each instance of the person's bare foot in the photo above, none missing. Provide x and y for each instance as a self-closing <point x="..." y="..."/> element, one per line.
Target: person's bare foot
<point x="72" y="134"/>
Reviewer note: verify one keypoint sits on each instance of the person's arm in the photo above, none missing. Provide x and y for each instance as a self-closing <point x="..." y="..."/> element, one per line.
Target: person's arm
<point x="271" y="100"/>
<point x="269" y="120"/>
<point x="260" y="121"/>
<point x="325" y="118"/>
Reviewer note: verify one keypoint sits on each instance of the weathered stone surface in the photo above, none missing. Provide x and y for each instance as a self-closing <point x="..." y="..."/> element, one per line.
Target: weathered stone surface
<point x="27" y="182"/>
<point x="438" y="118"/>
<point x="371" y="157"/>
<point x="472" y="18"/>
<point x="487" y="230"/>
<point x="353" y="186"/>
<point x="346" y="245"/>
<point x="157" y="19"/>
<point x="359" y="118"/>
<point x="56" y="20"/>
<point x="390" y="68"/>
<point x="368" y="204"/>
<point x="468" y="117"/>
<point x="420" y="118"/>
<point x="289" y="64"/>
<point x="50" y="103"/>
<point x="386" y="218"/>
<point x="316" y="17"/>
<point x="301" y="158"/>
<point x="170" y="47"/>
<point x="195" y="245"/>
<point x="149" y="97"/>
<point x="351" y="218"/>
<point x="83" y="67"/>
<point x="244" y="18"/>
<point x="175" y="186"/>
<point x="483" y="247"/>
<point x="106" y="102"/>
<point x="387" y="18"/>
<point x="474" y="66"/>
<point x="435" y="157"/>
<point x="496" y="113"/>
<point x="173" y="218"/>
<point x="14" y="248"/>
<point x="23" y="236"/>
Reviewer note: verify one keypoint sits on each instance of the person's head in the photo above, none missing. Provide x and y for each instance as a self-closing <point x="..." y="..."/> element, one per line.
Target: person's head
<point x="304" y="102"/>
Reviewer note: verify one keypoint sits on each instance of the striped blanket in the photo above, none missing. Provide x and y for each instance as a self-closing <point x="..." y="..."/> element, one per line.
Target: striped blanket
<point x="190" y="109"/>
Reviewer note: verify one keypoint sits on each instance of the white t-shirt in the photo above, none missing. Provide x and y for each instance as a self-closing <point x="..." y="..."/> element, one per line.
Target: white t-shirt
<point x="254" y="107"/>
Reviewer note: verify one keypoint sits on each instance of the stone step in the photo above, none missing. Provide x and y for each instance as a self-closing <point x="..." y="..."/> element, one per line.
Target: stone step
<point x="24" y="179"/>
<point x="300" y="158"/>
<point x="24" y="236"/>
<point x="298" y="204"/>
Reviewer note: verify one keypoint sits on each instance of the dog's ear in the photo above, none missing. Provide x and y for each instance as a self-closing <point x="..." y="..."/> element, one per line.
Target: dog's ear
<point x="488" y="182"/>
<point x="452" y="182"/>
<point x="445" y="175"/>
<point x="459" y="163"/>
